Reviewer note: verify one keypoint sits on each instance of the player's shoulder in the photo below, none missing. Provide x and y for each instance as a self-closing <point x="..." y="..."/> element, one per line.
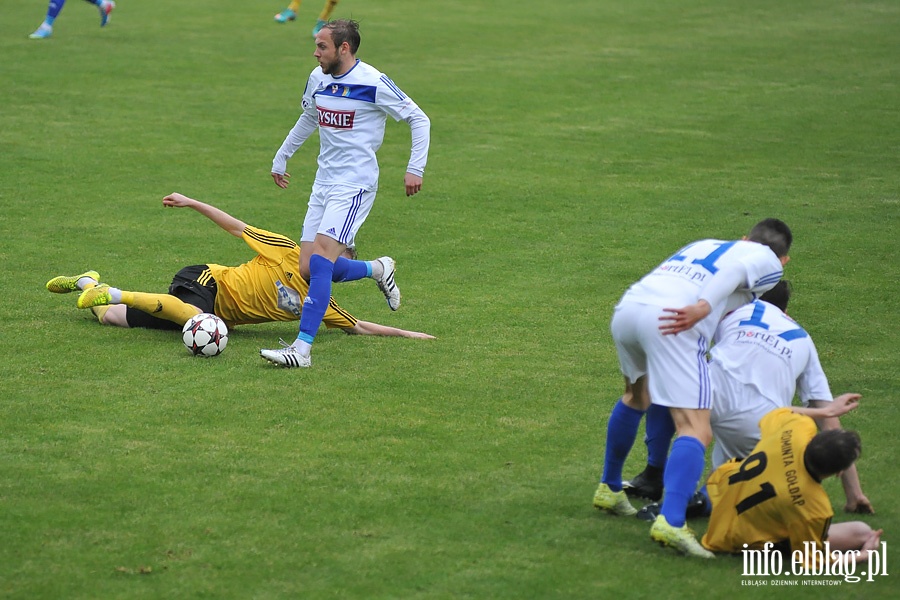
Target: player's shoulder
<point x="362" y="72"/>
<point x="268" y="238"/>
<point x="755" y="249"/>
<point x="368" y="69"/>
<point x="773" y="313"/>
<point x="774" y="420"/>
<point x="373" y="76"/>
<point x="741" y="313"/>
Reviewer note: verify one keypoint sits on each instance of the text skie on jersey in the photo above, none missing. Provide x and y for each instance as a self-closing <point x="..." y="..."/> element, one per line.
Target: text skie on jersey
<point x="336" y="119"/>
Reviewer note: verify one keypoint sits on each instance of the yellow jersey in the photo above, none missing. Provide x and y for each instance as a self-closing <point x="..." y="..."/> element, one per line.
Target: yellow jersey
<point x="769" y="496"/>
<point x="268" y="287"/>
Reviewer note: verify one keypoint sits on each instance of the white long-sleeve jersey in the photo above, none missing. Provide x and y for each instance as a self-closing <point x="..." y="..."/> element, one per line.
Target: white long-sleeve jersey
<point x="726" y="274"/>
<point x="762" y="348"/>
<point x="760" y="360"/>
<point x="350" y="112"/>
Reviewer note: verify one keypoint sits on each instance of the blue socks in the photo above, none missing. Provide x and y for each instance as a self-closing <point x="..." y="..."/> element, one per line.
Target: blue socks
<point x="350" y="270"/>
<point x="682" y="474"/>
<point x="316" y="302"/>
<point x="55" y="6"/>
<point x="53" y="10"/>
<point x="660" y="431"/>
<point x="621" y="431"/>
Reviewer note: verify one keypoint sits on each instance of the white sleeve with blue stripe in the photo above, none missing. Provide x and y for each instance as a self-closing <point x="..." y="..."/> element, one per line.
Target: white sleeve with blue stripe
<point x="401" y="107"/>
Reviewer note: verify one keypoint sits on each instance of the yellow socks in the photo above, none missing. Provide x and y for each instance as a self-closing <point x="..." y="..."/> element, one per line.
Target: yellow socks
<point x="329" y="8"/>
<point x="163" y="306"/>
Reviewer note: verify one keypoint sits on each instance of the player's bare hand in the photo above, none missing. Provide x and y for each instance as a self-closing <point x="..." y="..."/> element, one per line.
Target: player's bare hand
<point x="176" y="200"/>
<point x="413" y="184"/>
<point x="419" y="335"/>
<point x="682" y="319"/>
<point x="282" y="181"/>
<point x="842" y="405"/>
<point x="860" y="506"/>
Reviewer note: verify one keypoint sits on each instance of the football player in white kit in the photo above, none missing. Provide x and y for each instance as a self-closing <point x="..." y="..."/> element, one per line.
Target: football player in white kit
<point x="662" y="354"/>
<point x="348" y="101"/>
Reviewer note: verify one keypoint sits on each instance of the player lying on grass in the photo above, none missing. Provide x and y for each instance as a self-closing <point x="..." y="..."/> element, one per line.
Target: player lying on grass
<point x="775" y="495"/>
<point x="266" y="288"/>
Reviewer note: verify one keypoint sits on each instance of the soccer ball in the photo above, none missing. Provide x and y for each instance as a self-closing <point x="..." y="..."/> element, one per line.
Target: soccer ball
<point x="205" y="335"/>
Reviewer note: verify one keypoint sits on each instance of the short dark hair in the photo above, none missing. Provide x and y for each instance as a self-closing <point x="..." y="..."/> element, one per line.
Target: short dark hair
<point x="779" y="295"/>
<point x="344" y="30"/>
<point x="773" y="233"/>
<point x="832" y="451"/>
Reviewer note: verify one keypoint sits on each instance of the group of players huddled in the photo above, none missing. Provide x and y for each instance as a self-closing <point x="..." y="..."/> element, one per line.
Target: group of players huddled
<point x="708" y="353"/>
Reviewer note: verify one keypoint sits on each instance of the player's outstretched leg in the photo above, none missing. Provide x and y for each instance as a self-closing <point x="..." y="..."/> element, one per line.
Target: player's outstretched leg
<point x="63" y="284"/>
<point x="105" y="7"/>
<point x="285" y="16"/>
<point x="614" y="502"/>
<point x="386" y="282"/>
<point x="288" y="356"/>
<point x="679" y="538"/>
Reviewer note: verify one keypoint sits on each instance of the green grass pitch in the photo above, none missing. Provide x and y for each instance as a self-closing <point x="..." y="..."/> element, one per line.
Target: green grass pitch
<point x="574" y="145"/>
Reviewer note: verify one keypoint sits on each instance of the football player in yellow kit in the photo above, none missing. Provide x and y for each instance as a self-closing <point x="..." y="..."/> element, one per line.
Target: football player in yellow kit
<point x="775" y="495"/>
<point x="267" y="288"/>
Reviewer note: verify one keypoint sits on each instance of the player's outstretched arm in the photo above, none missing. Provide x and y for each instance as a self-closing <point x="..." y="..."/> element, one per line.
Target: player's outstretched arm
<point x="857" y="502"/>
<point x="367" y="328"/>
<point x="828" y="410"/>
<point x="221" y="218"/>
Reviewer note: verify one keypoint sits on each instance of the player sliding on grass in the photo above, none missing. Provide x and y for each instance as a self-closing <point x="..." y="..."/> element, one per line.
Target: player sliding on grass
<point x="264" y="289"/>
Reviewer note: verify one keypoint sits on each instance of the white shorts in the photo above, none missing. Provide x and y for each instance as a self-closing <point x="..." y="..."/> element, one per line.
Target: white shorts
<point x="675" y="365"/>
<point x="736" y="412"/>
<point x="337" y="211"/>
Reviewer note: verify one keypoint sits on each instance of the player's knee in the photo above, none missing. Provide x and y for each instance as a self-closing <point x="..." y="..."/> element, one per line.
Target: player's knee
<point x="850" y="535"/>
<point x="859" y="532"/>
<point x="114" y="315"/>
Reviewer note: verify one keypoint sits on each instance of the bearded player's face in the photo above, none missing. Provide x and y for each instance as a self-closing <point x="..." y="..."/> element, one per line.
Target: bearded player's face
<point x="327" y="54"/>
